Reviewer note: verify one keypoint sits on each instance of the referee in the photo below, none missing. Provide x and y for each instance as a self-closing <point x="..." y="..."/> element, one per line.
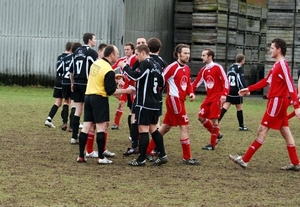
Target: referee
<point x="101" y="84"/>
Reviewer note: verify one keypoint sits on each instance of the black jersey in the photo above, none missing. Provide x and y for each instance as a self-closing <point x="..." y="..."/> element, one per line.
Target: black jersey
<point x="236" y="79"/>
<point x="163" y="65"/>
<point x="149" y="81"/>
<point x="84" y="57"/>
<point x="58" y="78"/>
<point x="160" y="61"/>
<point x="64" y="68"/>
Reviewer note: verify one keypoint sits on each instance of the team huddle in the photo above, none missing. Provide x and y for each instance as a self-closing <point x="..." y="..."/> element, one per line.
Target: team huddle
<point x="85" y="79"/>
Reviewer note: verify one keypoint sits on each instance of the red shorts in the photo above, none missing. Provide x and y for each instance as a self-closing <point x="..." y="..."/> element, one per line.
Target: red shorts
<point x="176" y="113"/>
<point x="123" y="97"/>
<point x="276" y="113"/>
<point x="210" y="110"/>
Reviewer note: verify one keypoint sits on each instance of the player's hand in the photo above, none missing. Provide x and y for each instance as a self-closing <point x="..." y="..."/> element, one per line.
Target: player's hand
<point x="192" y="97"/>
<point x="297" y="113"/>
<point x="244" y="91"/>
<point x="121" y="64"/>
<point x="118" y="77"/>
<point x="222" y="100"/>
<point x="130" y="90"/>
<point x="72" y="87"/>
<point x="117" y="96"/>
<point x="120" y="83"/>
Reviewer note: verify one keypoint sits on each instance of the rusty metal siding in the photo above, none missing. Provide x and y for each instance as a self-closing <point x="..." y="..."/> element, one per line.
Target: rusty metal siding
<point x="34" y="32"/>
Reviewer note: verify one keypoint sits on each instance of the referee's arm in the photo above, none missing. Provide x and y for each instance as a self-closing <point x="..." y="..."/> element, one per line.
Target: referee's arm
<point x="110" y="83"/>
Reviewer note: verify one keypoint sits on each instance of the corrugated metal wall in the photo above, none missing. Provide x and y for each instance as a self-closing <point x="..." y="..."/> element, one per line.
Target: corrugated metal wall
<point x="34" y="32"/>
<point x="150" y="18"/>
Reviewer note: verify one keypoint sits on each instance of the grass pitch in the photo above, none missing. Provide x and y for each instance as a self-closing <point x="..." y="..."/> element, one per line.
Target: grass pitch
<point x="38" y="165"/>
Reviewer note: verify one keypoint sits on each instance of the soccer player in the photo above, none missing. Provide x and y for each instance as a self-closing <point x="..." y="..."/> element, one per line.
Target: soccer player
<point x="155" y="45"/>
<point x="149" y="82"/>
<point x="237" y="82"/>
<point x="66" y="87"/>
<point x="134" y="132"/>
<point x="100" y="50"/>
<point x="178" y="85"/>
<point x="84" y="57"/>
<point x="100" y="86"/>
<point x="129" y="51"/>
<point x="275" y="117"/>
<point x="57" y="93"/>
<point x="217" y="88"/>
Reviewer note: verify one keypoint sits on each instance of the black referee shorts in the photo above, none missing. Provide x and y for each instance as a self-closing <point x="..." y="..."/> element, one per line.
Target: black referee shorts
<point x="96" y="109"/>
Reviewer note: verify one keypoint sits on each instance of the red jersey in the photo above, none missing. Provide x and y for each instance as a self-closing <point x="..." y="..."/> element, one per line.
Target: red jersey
<point x="215" y="81"/>
<point x="131" y="60"/>
<point x="124" y="59"/>
<point x="178" y="81"/>
<point x="281" y="83"/>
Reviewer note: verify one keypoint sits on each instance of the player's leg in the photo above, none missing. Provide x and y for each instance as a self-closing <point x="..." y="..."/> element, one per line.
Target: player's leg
<point x="239" y="113"/>
<point x="65" y="114"/>
<point x="79" y="96"/>
<point x="224" y="109"/>
<point x="291" y="148"/>
<point x="57" y="94"/>
<point x="119" y="111"/>
<point x="106" y="152"/>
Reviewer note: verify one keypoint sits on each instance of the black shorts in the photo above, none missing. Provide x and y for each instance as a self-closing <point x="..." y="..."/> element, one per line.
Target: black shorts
<point x="57" y="93"/>
<point x="79" y="93"/>
<point x="129" y="102"/>
<point x="145" y="116"/>
<point x="96" y="109"/>
<point x="160" y="109"/>
<point x="66" y="91"/>
<point x="234" y="99"/>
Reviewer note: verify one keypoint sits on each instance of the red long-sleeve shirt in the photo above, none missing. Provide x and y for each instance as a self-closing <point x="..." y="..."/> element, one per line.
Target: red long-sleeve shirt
<point x="215" y="80"/>
<point x="281" y="83"/>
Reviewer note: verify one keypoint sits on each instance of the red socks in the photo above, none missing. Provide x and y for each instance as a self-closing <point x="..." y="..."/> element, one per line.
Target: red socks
<point x="214" y="134"/>
<point x="186" y="148"/>
<point x="150" y="147"/>
<point x="208" y="125"/>
<point x="90" y="142"/>
<point x="118" y="117"/>
<point x="251" y="150"/>
<point x="293" y="154"/>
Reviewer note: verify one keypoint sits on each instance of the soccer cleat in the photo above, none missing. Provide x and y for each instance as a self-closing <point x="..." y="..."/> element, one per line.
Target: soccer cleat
<point x="130" y="139"/>
<point x="104" y="161"/>
<point x="160" y="160"/>
<point x="81" y="159"/>
<point x="64" y="127"/>
<point x="150" y="157"/>
<point x="114" y="127"/>
<point x="131" y="151"/>
<point x="191" y="162"/>
<point x="291" y="167"/>
<point x="136" y="163"/>
<point x="208" y="147"/>
<point x="243" y="128"/>
<point x="80" y="126"/>
<point x="238" y="160"/>
<point x="108" y="153"/>
<point x="92" y="154"/>
<point x="74" y="141"/>
<point x="49" y="124"/>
